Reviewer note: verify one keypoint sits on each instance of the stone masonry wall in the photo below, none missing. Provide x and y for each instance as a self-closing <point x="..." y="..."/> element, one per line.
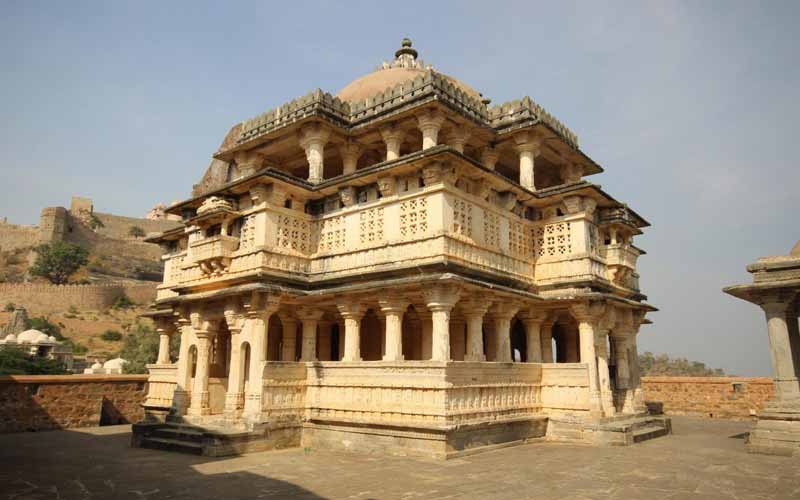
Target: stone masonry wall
<point x="13" y="237"/>
<point x="717" y="397"/>
<point x="57" y="298"/>
<point x="40" y="402"/>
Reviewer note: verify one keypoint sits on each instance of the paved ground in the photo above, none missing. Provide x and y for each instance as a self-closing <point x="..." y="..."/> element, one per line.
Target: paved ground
<point x="704" y="459"/>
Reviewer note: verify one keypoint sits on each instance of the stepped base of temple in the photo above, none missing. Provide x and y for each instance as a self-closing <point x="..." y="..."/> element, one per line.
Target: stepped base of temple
<point x="216" y="438"/>
<point x="623" y="430"/>
<point x="777" y="431"/>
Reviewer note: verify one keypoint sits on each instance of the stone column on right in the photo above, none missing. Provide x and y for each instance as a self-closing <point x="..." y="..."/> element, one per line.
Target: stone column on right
<point x="780" y="345"/>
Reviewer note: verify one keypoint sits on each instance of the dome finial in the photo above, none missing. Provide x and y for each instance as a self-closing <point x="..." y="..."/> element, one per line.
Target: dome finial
<point x="406" y="49"/>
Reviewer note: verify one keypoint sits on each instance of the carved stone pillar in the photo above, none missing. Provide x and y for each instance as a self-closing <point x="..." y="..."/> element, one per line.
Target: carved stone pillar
<point x="458" y="138"/>
<point x="528" y="148"/>
<point x="234" y="397"/>
<point x="426" y="330"/>
<point x="352" y="314"/>
<point x="393" y="138"/>
<point x="502" y="314"/>
<point x="183" y="389"/>
<point x="205" y="331"/>
<point x="247" y="163"/>
<point x="491" y="342"/>
<point x="547" y="341"/>
<point x="309" y="318"/>
<point x="588" y="317"/>
<point x="313" y="139"/>
<point x="166" y="328"/>
<point x="430" y="122"/>
<point x="393" y="308"/>
<point x="440" y="301"/>
<point x="474" y="311"/>
<point x="489" y="157"/>
<point x="458" y="346"/>
<point x="289" y="338"/>
<point x="776" y="309"/>
<point x="350" y="153"/>
<point x="341" y="325"/>
<point x="532" y="320"/>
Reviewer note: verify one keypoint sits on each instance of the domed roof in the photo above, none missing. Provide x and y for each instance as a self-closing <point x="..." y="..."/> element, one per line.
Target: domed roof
<point x="97" y="366"/>
<point x="115" y="364"/>
<point x="11" y="338"/>
<point x="404" y="68"/>
<point x="33" y="337"/>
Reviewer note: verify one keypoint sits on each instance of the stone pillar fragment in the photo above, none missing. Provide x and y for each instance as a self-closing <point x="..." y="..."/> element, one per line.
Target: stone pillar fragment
<point x="532" y="320"/>
<point x="502" y="315"/>
<point x="350" y="153"/>
<point x="474" y="312"/>
<point x="528" y="148"/>
<point x="588" y="316"/>
<point x="393" y="138"/>
<point x="289" y="338"/>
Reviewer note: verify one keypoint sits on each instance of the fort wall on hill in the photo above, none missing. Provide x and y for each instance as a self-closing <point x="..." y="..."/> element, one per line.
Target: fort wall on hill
<point x="59" y="298"/>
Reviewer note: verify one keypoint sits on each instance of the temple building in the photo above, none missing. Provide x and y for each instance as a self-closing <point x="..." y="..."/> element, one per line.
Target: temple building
<point x="776" y="290"/>
<point x="399" y="268"/>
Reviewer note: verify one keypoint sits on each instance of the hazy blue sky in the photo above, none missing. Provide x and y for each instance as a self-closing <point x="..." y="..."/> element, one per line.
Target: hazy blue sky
<point x="691" y="107"/>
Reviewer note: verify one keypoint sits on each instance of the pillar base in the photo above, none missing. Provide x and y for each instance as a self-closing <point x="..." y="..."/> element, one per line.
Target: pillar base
<point x="777" y="431"/>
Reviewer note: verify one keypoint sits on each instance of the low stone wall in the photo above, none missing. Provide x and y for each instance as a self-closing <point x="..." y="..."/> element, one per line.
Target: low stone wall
<point x="84" y="297"/>
<point x="715" y="397"/>
<point x="41" y="402"/>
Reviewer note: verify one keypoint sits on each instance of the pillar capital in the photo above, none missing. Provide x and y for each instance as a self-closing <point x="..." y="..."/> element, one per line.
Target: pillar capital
<point x="350" y="152"/>
<point x="590" y="312"/>
<point x="532" y="315"/>
<point x="489" y="157"/>
<point x="440" y="298"/>
<point x="527" y="142"/>
<point x="309" y="314"/>
<point x="351" y="310"/>
<point x="312" y="139"/>
<point x="504" y="310"/>
<point x="393" y="305"/>
<point x="393" y="137"/>
<point x="474" y="307"/>
<point x="777" y="302"/>
<point x="458" y="137"/>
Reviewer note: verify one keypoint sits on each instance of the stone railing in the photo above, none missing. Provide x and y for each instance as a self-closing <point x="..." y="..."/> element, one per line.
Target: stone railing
<point x="161" y="385"/>
<point x="415" y="226"/>
<point x="620" y="255"/>
<point x="284" y="393"/>
<point x="422" y="393"/>
<point x="565" y="388"/>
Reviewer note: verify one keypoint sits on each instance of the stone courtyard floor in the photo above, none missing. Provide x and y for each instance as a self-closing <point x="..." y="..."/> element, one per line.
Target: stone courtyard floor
<point x="703" y="459"/>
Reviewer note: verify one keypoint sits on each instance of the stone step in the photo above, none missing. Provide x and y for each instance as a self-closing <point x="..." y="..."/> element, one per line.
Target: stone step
<point x="176" y="445"/>
<point x="179" y="433"/>
<point x="647" y="432"/>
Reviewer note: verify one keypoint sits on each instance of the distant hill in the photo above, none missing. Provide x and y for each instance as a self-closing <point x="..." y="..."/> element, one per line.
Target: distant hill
<point x="662" y="364"/>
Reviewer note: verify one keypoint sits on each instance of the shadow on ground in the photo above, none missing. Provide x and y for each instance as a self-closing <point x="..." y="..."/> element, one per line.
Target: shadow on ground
<point x="97" y="463"/>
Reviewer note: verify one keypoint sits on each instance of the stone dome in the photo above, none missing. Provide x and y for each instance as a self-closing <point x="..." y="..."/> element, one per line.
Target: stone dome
<point x="405" y="67"/>
<point x="97" y="366"/>
<point x="11" y="338"/>
<point x="33" y="337"/>
<point x="114" y="364"/>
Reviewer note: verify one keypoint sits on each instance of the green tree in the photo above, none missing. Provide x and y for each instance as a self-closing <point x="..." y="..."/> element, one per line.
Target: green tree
<point x="46" y="327"/>
<point x="662" y="364"/>
<point x="141" y="348"/>
<point x="58" y="261"/>
<point x="111" y="336"/>
<point x="14" y="361"/>
<point x="136" y="232"/>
